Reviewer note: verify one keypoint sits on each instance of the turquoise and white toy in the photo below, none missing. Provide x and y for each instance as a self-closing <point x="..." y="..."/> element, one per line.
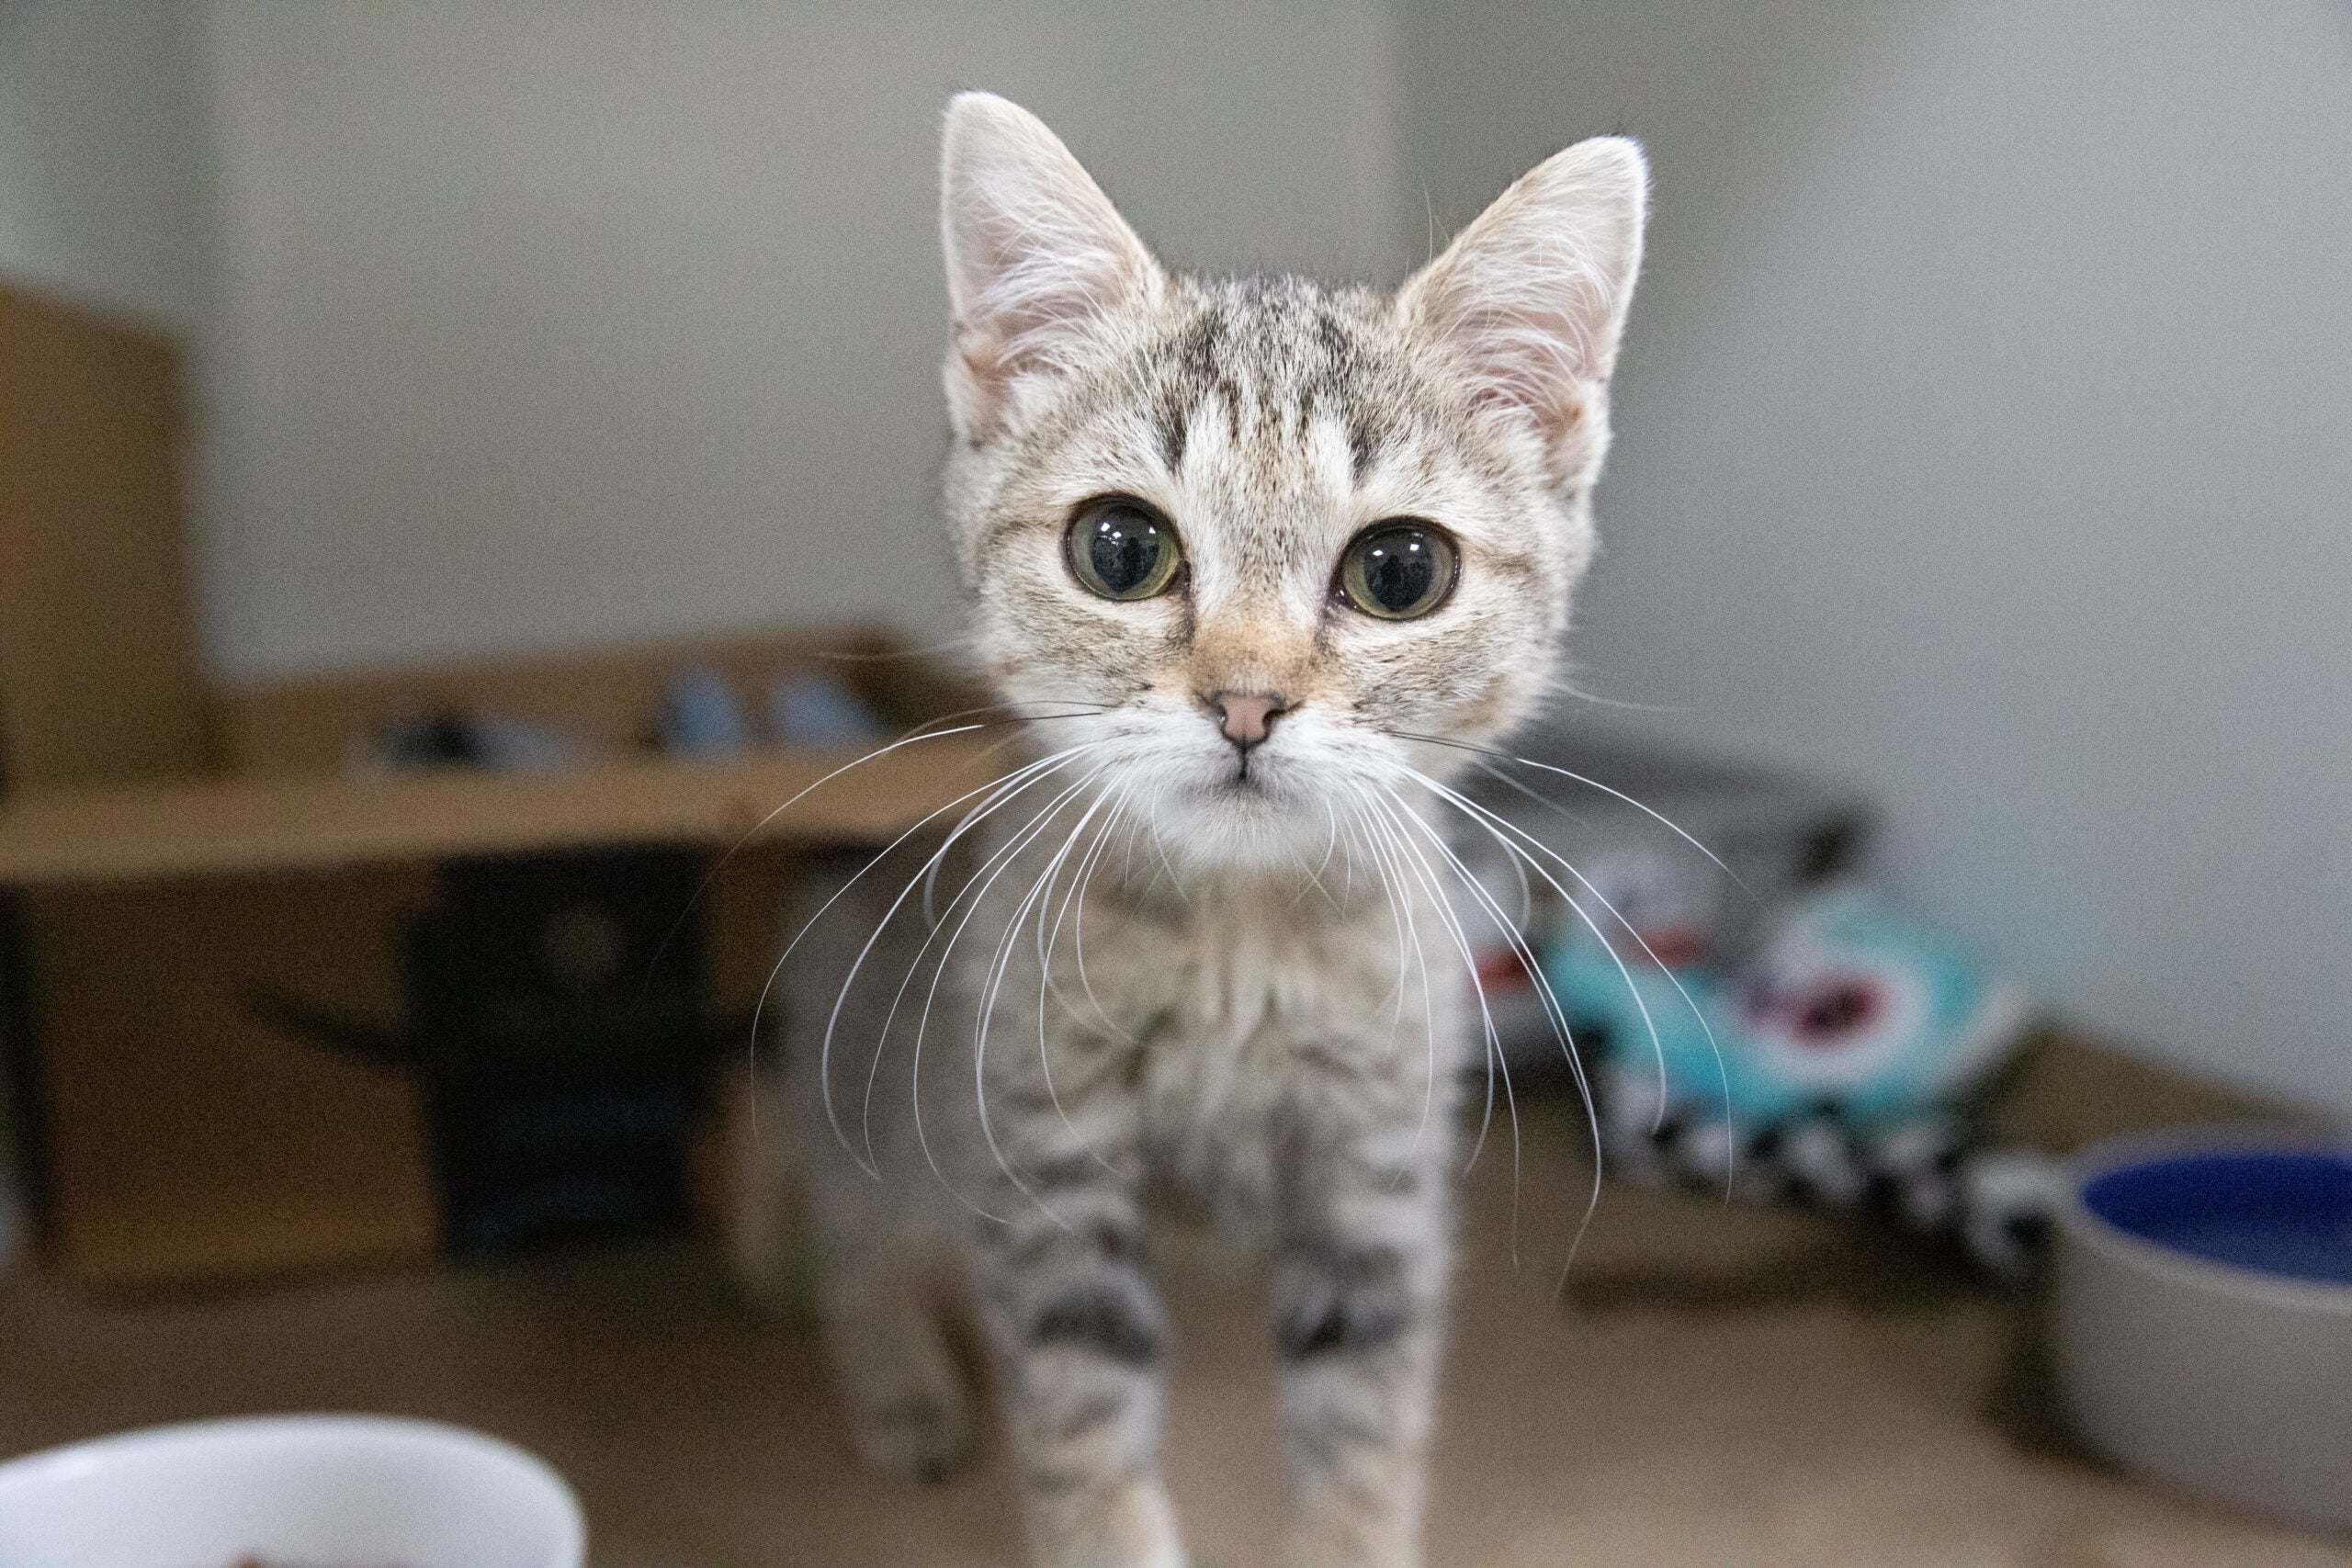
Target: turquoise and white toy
<point x="1830" y="1066"/>
<point x="1845" y="1006"/>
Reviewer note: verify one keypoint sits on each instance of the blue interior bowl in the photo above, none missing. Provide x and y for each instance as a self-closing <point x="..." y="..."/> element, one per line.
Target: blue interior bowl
<point x="2282" y="1212"/>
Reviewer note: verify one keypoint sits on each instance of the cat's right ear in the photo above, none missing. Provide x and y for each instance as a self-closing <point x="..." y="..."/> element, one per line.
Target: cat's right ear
<point x="1036" y="257"/>
<point x="1531" y="297"/>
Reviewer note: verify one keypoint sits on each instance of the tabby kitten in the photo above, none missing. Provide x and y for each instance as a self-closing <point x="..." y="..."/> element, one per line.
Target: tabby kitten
<point x="1228" y="547"/>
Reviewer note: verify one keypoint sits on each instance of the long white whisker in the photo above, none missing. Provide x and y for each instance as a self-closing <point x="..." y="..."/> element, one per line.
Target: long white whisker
<point x="1015" y="782"/>
<point x="1522" y="950"/>
<point x="1492" y="1038"/>
<point x="1078" y="929"/>
<point x="1000" y="964"/>
<point x="1641" y="1004"/>
<point x="1170" y="866"/>
<point x="914" y="964"/>
<point x="1074" y="899"/>
<point x="1381" y="863"/>
<point x="1429" y="1017"/>
<point x="1722" y="1075"/>
<point x="1314" y="874"/>
<point x="1405" y="904"/>
<point x="1492" y="822"/>
<point x="921" y="732"/>
<point x="1557" y="1017"/>
<point x="1595" y="783"/>
<point x="1047" y="945"/>
<point x="1081" y="712"/>
<point x="1658" y="1051"/>
<point x="1427" y="875"/>
<point x="977" y="891"/>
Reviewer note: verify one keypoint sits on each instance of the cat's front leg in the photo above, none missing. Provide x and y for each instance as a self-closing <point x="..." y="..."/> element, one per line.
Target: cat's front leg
<point x="1359" y="1322"/>
<point x="1078" y="1332"/>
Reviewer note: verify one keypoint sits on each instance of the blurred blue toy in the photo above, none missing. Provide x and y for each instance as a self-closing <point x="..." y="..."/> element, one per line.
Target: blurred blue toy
<point x="1845" y="1005"/>
<point x="816" y="709"/>
<point x="702" y="716"/>
<point x="1830" y="1065"/>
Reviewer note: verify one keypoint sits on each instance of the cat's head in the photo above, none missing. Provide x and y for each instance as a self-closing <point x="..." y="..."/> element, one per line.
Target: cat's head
<point x="1268" y="528"/>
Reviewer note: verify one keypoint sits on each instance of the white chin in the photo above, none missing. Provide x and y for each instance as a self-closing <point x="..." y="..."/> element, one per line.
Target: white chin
<point x="1256" y="825"/>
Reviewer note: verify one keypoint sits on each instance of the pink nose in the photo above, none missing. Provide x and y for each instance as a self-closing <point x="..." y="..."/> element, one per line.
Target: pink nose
<point x="1244" y="718"/>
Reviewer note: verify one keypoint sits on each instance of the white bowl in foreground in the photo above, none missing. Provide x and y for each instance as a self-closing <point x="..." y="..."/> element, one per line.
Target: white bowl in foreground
<point x="2204" y="1314"/>
<point x="329" y="1491"/>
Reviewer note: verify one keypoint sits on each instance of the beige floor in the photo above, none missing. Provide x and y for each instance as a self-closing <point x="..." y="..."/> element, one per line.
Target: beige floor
<point x="1741" y="1390"/>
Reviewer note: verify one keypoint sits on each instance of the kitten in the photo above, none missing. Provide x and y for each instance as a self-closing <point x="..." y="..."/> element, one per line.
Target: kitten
<point x="1228" y="547"/>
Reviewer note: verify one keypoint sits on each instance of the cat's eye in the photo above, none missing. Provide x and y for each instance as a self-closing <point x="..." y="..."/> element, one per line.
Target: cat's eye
<point x="1399" y="570"/>
<point x="1120" y="547"/>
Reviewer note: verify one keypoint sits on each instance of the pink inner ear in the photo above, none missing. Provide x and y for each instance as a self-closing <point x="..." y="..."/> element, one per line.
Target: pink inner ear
<point x="1535" y="354"/>
<point x="1036" y="254"/>
<point x="1041" y="294"/>
<point x="1525" y="370"/>
<point x="1558" y="412"/>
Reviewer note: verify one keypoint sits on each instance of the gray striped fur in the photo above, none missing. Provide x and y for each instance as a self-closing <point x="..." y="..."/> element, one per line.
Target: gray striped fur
<point x="1272" y="1007"/>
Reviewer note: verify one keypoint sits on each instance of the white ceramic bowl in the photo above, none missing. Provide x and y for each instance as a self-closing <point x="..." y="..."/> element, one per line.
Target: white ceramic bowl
<point x="307" y="1490"/>
<point x="2203" y="1325"/>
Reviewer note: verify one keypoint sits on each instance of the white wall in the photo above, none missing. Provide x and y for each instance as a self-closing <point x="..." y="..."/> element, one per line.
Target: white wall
<point x="104" y="194"/>
<point x="1987" y="436"/>
<point x="1984" y="419"/>
<point x="549" y="322"/>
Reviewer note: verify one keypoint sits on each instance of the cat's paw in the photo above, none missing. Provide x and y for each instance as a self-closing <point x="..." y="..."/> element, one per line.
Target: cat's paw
<point x="924" y="1440"/>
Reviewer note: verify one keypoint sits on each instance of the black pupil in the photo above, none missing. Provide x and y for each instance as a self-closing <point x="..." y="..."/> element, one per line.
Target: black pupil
<point x="1123" y="549"/>
<point x="1399" y="570"/>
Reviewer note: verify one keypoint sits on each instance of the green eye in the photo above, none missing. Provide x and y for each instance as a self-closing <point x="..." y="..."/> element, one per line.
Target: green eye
<point x="1121" y="549"/>
<point x="1399" y="570"/>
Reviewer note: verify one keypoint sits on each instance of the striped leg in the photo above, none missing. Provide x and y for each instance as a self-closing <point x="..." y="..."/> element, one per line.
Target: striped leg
<point x="1359" y="1304"/>
<point x="1077" y="1328"/>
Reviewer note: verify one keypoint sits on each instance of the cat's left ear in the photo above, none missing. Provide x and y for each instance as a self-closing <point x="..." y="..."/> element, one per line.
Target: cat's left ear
<point x="1533" y="298"/>
<point x="1036" y="257"/>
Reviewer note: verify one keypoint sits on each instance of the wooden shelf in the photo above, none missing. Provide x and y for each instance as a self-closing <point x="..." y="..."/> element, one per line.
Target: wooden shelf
<point x="265" y="823"/>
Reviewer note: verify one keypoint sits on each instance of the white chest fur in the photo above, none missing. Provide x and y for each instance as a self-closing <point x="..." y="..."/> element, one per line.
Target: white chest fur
<point x="1260" y="1017"/>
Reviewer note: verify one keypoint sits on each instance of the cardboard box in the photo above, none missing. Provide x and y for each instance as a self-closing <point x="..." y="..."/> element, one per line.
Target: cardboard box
<point x="171" y="852"/>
